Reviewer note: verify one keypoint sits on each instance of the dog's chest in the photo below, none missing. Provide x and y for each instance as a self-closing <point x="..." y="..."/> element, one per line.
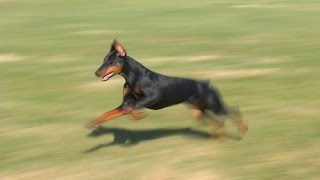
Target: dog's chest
<point x="136" y="90"/>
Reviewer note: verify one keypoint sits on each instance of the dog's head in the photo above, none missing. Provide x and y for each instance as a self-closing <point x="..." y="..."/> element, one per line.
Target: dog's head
<point x="113" y="62"/>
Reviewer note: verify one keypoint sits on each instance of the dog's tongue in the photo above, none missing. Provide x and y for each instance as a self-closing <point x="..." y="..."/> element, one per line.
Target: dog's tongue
<point x="107" y="77"/>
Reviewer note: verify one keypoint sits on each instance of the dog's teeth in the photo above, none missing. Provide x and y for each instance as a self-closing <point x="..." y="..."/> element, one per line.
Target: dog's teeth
<point x="107" y="77"/>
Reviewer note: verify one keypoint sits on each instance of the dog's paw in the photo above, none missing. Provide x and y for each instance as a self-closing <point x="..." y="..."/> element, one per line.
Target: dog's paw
<point x="138" y="115"/>
<point x="92" y="125"/>
<point x="242" y="128"/>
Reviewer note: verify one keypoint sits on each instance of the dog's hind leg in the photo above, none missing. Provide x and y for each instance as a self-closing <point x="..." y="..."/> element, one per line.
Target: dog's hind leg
<point x="216" y="105"/>
<point x="200" y="113"/>
<point x="236" y="117"/>
<point x="197" y="112"/>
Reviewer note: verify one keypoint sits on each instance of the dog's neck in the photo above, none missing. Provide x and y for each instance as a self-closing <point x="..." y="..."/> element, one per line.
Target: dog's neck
<point x="132" y="71"/>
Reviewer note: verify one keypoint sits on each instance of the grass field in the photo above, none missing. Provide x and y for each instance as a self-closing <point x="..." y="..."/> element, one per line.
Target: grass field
<point x="263" y="56"/>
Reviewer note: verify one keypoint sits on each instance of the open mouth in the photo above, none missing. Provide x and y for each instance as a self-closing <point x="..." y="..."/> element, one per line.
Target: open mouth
<point x="108" y="76"/>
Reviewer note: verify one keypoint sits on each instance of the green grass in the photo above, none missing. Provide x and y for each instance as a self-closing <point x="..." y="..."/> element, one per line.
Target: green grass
<point x="262" y="55"/>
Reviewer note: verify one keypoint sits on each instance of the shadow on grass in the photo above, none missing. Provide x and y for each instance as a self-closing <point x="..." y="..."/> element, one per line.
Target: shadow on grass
<point x="127" y="137"/>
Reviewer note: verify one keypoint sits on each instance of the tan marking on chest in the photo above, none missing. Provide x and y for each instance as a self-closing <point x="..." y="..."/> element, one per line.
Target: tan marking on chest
<point x="126" y="91"/>
<point x="137" y="90"/>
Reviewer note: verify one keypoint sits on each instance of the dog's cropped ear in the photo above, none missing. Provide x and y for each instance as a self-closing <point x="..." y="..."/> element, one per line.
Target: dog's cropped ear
<point x="118" y="48"/>
<point x="112" y="47"/>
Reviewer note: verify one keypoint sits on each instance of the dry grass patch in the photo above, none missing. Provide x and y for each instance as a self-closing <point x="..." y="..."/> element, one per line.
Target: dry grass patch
<point x="255" y="6"/>
<point x="95" y="32"/>
<point x="60" y="58"/>
<point x="300" y="110"/>
<point x="167" y="173"/>
<point x="5" y="58"/>
<point x="184" y="58"/>
<point x="101" y="84"/>
<point x="236" y="73"/>
<point x="311" y="155"/>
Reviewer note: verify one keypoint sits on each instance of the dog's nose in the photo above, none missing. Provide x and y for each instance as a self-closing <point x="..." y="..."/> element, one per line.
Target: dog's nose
<point x="97" y="73"/>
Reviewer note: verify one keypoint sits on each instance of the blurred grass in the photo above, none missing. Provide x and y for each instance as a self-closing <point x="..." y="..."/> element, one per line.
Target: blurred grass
<point x="262" y="55"/>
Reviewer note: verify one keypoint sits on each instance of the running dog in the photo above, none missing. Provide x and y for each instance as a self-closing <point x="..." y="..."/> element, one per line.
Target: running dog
<point x="145" y="88"/>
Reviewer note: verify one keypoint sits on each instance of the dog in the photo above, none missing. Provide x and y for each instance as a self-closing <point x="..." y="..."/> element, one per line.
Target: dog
<point x="145" y="88"/>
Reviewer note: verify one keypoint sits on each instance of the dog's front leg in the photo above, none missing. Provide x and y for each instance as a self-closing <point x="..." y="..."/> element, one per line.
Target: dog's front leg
<point x="120" y="111"/>
<point x="146" y="102"/>
<point x="126" y="107"/>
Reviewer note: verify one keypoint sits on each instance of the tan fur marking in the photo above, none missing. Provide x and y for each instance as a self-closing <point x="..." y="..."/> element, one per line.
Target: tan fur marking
<point x="137" y="90"/>
<point x="116" y="69"/>
<point x="197" y="112"/>
<point x="110" y="115"/>
<point x="126" y="91"/>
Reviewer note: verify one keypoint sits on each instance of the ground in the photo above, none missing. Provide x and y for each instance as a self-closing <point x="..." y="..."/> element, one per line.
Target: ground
<point x="261" y="55"/>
